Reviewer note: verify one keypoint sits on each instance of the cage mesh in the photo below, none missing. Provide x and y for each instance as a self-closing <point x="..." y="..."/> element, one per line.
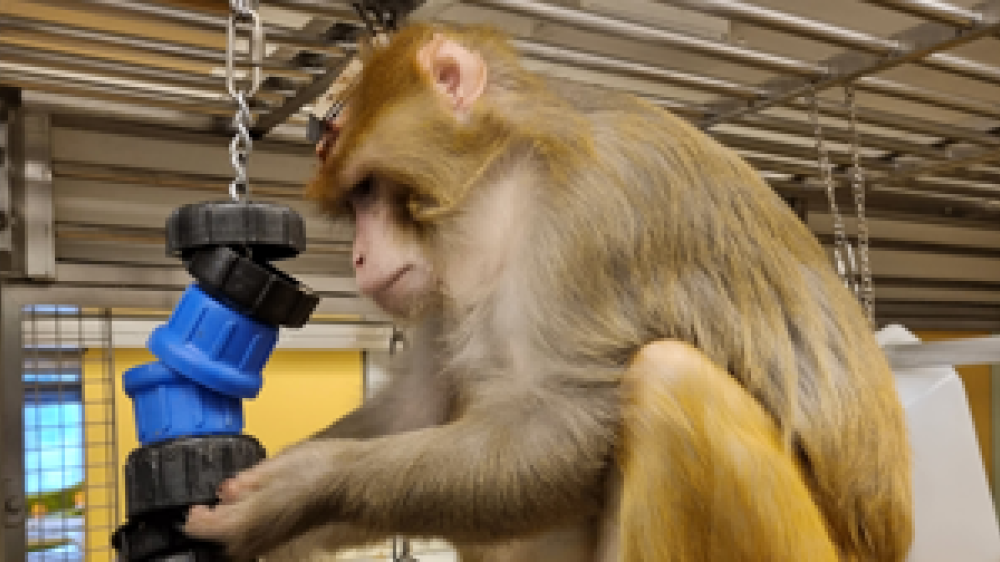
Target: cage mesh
<point x="71" y="477"/>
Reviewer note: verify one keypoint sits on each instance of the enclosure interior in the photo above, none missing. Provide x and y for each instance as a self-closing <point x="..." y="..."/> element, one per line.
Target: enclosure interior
<point x="115" y="112"/>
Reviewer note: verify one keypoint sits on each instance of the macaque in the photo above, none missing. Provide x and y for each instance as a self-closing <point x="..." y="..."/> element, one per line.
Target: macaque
<point x="622" y="344"/>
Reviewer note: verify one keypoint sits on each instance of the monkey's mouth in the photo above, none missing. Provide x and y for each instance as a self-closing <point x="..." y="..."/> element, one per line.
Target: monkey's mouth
<point x="391" y="281"/>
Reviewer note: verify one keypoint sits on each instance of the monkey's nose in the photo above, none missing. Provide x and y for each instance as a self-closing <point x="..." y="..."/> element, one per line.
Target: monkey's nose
<point x="359" y="260"/>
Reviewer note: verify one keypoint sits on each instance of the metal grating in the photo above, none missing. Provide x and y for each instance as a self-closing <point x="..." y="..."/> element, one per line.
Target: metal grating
<point x="71" y="473"/>
<point x="929" y="112"/>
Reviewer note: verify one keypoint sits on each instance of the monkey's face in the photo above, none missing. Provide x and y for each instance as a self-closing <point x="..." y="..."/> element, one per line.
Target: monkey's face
<point x="391" y="263"/>
<point x="399" y="159"/>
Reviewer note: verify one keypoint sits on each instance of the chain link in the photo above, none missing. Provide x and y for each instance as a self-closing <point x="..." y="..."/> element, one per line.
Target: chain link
<point x="843" y="255"/>
<point x="245" y="12"/>
<point x="866" y="291"/>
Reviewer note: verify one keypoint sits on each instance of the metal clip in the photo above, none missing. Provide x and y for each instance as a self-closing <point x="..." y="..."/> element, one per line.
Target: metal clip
<point x="256" y="50"/>
<point x="242" y="144"/>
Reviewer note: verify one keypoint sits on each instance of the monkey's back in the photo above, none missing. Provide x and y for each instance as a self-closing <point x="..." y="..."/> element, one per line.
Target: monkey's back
<point x="652" y="230"/>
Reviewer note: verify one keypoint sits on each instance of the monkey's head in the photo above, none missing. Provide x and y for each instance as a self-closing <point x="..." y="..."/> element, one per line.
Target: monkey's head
<point x="419" y="127"/>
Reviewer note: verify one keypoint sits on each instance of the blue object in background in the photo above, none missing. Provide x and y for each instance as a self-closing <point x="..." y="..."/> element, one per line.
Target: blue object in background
<point x="210" y="358"/>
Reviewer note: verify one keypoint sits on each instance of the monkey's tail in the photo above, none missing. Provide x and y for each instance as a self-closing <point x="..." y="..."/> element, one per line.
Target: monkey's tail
<point x="704" y="474"/>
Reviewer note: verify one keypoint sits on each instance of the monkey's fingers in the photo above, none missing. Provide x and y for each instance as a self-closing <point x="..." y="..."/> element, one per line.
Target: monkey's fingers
<point x="238" y="487"/>
<point x="204" y="522"/>
<point x="242" y="528"/>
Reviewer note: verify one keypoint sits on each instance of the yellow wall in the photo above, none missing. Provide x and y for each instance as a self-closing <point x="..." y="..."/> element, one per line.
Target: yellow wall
<point x="303" y="391"/>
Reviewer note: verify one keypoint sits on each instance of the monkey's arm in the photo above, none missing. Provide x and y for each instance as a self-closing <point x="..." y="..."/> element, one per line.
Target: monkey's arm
<point x="504" y="469"/>
<point x="416" y="398"/>
<point x="411" y="400"/>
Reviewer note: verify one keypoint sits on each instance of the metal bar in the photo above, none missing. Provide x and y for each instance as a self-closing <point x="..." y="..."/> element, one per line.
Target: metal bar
<point x="12" y="70"/>
<point x="612" y="65"/>
<point x="931" y="97"/>
<point x="16" y="296"/>
<point x="110" y="435"/>
<point x="974" y="207"/>
<point x="959" y="160"/>
<point x="76" y="61"/>
<point x="647" y="34"/>
<point x="11" y="426"/>
<point x="840" y="134"/>
<point x="943" y="12"/>
<point x="63" y="86"/>
<point x="801" y="129"/>
<point x="829" y="33"/>
<point x="193" y="134"/>
<point x="803" y="151"/>
<point x="618" y="66"/>
<point x="904" y="123"/>
<point x="790" y="23"/>
<point x="973" y="351"/>
<point x="9" y="101"/>
<point x="981" y="175"/>
<point x="922" y="41"/>
<point x="321" y="8"/>
<point x="307" y="94"/>
<point x="901" y="199"/>
<point x="171" y="179"/>
<point x="807" y="170"/>
<point x="132" y="41"/>
<point x="603" y="63"/>
<point x="122" y="70"/>
<point x="11" y="408"/>
<point x="188" y="17"/>
<point x="36" y="212"/>
<point x="799" y="169"/>
<point x="685" y="110"/>
<point x="963" y="67"/>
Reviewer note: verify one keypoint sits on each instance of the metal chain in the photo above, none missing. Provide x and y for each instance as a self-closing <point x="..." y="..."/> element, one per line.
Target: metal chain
<point x="843" y="255"/>
<point x="866" y="291"/>
<point x="243" y="11"/>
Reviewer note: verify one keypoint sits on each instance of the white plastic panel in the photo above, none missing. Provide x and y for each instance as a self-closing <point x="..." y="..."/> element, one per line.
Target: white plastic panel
<point x="954" y="513"/>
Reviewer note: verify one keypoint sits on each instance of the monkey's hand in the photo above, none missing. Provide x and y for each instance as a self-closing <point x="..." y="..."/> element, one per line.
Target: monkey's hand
<point x="259" y="508"/>
<point x="505" y="469"/>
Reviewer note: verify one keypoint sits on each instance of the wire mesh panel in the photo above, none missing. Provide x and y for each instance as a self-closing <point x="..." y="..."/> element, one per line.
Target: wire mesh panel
<point x="69" y="433"/>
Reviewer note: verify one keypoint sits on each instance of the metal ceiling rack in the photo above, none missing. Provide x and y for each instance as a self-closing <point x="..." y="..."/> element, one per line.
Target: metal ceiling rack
<point x="929" y="150"/>
<point x="951" y="26"/>
<point x="320" y="55"/>
<point x="306" y="63"/>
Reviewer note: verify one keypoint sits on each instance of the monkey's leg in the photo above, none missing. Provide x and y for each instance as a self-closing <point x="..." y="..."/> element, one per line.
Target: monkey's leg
<point x="705" y="474"/>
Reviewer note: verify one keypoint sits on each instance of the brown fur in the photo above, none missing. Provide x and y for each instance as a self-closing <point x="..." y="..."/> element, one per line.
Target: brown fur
<point x="640" y="228"/>
<point x="750" y="504"/>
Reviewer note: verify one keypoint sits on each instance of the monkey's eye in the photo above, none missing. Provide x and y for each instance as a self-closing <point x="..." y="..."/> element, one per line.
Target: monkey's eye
<point x="363" y="192"/>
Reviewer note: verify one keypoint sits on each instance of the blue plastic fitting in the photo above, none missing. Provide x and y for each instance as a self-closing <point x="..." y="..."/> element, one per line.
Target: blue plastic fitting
<point x="213" y="345"/>
<point x="210" y="358"/>
<point x="168" y="405"/>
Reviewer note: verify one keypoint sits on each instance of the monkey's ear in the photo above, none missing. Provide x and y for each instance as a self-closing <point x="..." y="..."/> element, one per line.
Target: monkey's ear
<point x="457" y="72"/>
